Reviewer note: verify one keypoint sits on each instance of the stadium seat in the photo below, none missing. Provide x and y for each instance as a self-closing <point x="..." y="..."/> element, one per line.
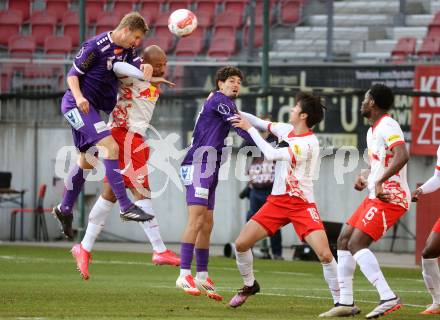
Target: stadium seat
<point x="151" y="5"/>
<point x="106" y="22"/>
<point x="235" y="6"/>
<point x="122" y="7"/>
<point x="204" y="19"/>
<point x="24" y="6"/>
<point x="166" y="43"/>
<point x="21" y="46"/>
<point x="10" y="22"/>
<point x="258" y="36"/>
<point x="57" y="8"/>
<point x="189" y="47"/>
<point x="207" y="6"/>
<point x="57" y="46"/>
<point x="404" y="47"/>
<point x="6" y="71"/>
<point x="42" y="25"/>
<point x="436" y="20"/>
<point x="224" y="32"/>
<point x="290" y="11"/>
<point x="94" y="9"/>
<point x="222" y="48"/>
<point x="434" y="32"/>
<point x="178" y="4"/>
<point x="429" y="47"/>
<point x="162" y="19"/>
<point x="228" y="19"/>
<point x="70" y="25"/>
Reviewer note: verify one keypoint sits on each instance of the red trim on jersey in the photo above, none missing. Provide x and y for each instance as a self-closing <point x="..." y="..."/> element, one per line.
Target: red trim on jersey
<point x="378" y="121"/>
<point x="395" y="144"/>
<point x="292" y="155"/>
<point x="269" y="127"/>
<point x="375" y="156"/>
<point x="437" y="168"/>
<point x="293" y="135"/>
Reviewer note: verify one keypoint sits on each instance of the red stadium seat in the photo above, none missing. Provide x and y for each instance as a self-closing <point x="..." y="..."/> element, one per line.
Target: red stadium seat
<point x="21" y="5"/>
<point x="162" y="19"/>
<point x="57" y="8"/>
<point x="94" y="9"/>
<point x="204" y="19"/>
<point x="404" y="47"/>
<point x="189" y="47"/>
<point x="430" y="47"/>
<point x="122" y="7"/>
<point x="207" y="6"/>
<point x="178" y="4"/>
<point x="43" y="25"/>
<point x="228" y="19"/>
<point x="71" y="26"/>
<point x="149" y="16"/>
<point x="10" y="22"/>
<point x="166" y="43"/>
<point x="106" y="22"/>
<point x="163" y="32"/>
<point x="57" y="45"/>
<point x="433" y="32"/>
<point x="235" y="6"/>
<point x="222" y="48"/>
<point x="21" y="46"/>
<point x="224" y="32"/>
<point x="6" y="72"/>
<point x="154" y="6"/>
<point x="258" y="36"/>
<point x="436" y="20"/>
<point x="290" y="11"/>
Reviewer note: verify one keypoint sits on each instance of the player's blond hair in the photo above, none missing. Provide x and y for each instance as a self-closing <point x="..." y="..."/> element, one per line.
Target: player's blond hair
<point x="134" y="21"/>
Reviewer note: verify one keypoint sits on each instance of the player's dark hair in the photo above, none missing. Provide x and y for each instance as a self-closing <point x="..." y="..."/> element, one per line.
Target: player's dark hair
<point x="382" y="95"/>
<point x="226" y="72"/>
<point x="312" y="106"/>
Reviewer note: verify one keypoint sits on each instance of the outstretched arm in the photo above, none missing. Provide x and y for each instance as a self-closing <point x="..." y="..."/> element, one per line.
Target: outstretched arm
<point x="429" y="186"/>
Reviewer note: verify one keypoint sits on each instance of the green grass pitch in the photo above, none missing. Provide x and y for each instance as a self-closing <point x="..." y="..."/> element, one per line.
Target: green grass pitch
<point x="43" y="283"/>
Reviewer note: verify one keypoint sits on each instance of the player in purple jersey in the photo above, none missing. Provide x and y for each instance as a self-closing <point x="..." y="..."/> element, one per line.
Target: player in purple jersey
<point x="199" y="173"/>
<point x="93" y="88"/>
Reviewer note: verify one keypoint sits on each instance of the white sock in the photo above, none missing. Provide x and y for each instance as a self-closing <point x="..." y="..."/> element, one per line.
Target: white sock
<point x="97" y="217"/>
<point x="346" y="268"/>
<point x="330" y="271"/>
<point x="370" y="268"/>
<point x="185" y="272"/>
<point x="151" y="228"/>
<point x="431" y="275"/>
<point x="202" y="275"/>
<point x="244" y="263"/>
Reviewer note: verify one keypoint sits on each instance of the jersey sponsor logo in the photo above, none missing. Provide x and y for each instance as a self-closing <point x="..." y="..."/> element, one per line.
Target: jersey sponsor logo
<point x="297" y="149"/>
<point x="86" y="63"/>
<point x="101" y="41"/>
<point x="151" y="93"/>
<point x="100" y="127"/>
<point x="74" y="118"/>
<point x="223" y="109"/>
<point x="393" y="138"/>
<point x="201" y="193"/>
<point x="186" y="174"/>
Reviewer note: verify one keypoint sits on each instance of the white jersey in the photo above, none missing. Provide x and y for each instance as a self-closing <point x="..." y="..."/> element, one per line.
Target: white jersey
<point x="135" y="106"/>
<point x="381" y="138"/>
<point x="295" y="176"/>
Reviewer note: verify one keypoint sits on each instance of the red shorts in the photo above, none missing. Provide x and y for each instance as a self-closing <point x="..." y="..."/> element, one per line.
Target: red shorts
<point x="375" y="217"/>
<point x="283" y="209"/>
<point x="133" y="157"/>
<point x="436" y="227"/>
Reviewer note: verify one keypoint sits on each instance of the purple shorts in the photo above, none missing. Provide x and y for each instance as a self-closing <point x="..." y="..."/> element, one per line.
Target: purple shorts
<point x="87" y="129"/>
<point x="200" y="180"/>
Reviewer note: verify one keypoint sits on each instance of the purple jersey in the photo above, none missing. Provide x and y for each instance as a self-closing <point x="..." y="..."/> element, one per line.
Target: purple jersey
<point x="211" y="129"/>
<point x="93" y="65"/>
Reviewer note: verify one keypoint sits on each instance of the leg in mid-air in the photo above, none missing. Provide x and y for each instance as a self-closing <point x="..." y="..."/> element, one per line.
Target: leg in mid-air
<point x="251" y="233"/>
<point x="431" y="273"/>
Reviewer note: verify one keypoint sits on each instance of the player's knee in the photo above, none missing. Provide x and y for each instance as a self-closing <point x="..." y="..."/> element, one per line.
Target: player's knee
<point x="108" y="195"/>
<point x="354" y="246"/>
<point x="342" y="242"/>
<point x="241" y="246"/>
<point x="325" y="256"/>
<point x="428" y="253"/>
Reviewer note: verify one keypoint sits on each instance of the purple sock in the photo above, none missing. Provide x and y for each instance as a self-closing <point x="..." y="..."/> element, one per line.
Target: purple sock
<point x="117" y="183"/>
<point x="73" y="184"/>
<point x="186" y="255"/>
<point x="202" y="257"/>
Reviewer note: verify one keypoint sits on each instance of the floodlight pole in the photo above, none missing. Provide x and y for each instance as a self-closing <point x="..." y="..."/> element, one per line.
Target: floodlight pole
<point x="265" y="64"/>
<point x="82" y="21"/>
<point x="251" y="30"/>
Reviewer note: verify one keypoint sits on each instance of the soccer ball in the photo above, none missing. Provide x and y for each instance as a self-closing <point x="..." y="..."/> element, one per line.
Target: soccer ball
<point x="182" y="22"/>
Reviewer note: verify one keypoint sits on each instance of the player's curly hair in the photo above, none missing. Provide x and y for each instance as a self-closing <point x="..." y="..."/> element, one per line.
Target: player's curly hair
<point x="312" y="106"/>
<point x="226" y="72"/>
<point x="382" y="96"/>
<point x="134" y="21"/>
